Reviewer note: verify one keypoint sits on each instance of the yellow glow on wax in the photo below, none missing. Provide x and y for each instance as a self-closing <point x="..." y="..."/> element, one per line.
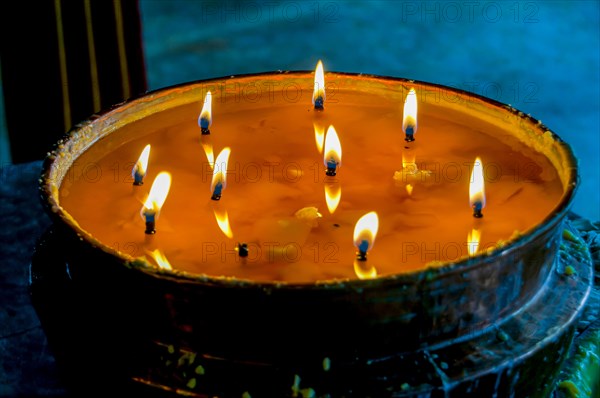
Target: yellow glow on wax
<point x="473" y="239"/>
<point x="333" y="194"/>
<point x="223" y="221"/>
<point x="161" y="259"/>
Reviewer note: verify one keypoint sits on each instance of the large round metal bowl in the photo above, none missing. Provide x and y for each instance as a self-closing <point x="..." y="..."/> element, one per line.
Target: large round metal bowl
<point x="474" y="323"/>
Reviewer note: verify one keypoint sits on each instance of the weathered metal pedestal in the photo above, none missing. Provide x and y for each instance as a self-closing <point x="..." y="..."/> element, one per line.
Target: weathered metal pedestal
<point x="111" y="330"/>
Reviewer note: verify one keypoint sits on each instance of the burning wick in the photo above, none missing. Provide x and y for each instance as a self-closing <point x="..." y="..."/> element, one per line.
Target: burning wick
<point x="150" y="223"/>
<point x="477" y="189"/>
<point x="219" y="180"/>
<point x="477" y="210"/>
<point x="332" y="154"/>
<point x="205" y="119"/>
<point x="217" y="192"/>
<point x="318" y="98"/>
<point x="409" y="134"/>
<point x="242" y="249"/>
<point x="365" y="232"/>
<point x="362" y="250"/>
<point x="156" y="198"/>
<point x="331" y="168"/>
<point x="141" y="167"/>
<point x="409" y="122"/>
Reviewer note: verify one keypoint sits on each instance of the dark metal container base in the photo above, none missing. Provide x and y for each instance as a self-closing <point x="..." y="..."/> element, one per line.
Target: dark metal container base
<point x="519" y="355"/>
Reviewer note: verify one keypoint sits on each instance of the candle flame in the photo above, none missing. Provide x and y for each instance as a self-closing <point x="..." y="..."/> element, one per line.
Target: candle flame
<point x="158" y="193"/>
<point x="220" y="169"/>
<point x="410" y="111"/>
<point x="319" y="136"/>
<point x="473" y="239"/>
<point x="205" y="118"/>
<point x="223" y="221"/>
<point x="409" y="189"/>
<point x="333" y="194"/>
<point x="333" y="148"/>
<point x="365" y="231"/>
<point x="319" y="90"/>
<point x="364" y="270"/>
<point x="141" y="166"/>
<point x="476" y="186"/>
<point x="161" y="259"/>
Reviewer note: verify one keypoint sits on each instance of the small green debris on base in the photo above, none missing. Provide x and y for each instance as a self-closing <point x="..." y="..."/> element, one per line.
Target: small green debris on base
<point x="296" y="386"/>
<point x="308" y="393"/>
<point x="246" y="394"/>
<point x="405" y="387"/>
<point x="569" y="270"/>
<point x="582" y="369"/>
<point x="326" y="364"/>
<point x="199" y="370"/>
<point x="568" y="235"/>
<point x="569" y="388"/>
<point x="192" y="383"/>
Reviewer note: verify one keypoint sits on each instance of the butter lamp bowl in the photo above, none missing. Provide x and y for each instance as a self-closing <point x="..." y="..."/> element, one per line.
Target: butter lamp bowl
<point x="496" y="322"/>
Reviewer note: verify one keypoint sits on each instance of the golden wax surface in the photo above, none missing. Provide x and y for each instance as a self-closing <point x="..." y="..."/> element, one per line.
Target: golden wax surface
<point x="276" y="169"/>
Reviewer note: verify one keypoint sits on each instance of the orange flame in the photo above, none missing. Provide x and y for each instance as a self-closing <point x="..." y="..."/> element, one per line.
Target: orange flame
<point x="410" y="111"/>
<point x="220" y="169"/>
<point x="477" y="185"/>
<point x="158" y="194"/>
<point x="141" y="166"/>
<point x="333" y="148"/>
<point x="205" y="118"/>
<point x="319" y="90"/>
<point x="365" y="231"/>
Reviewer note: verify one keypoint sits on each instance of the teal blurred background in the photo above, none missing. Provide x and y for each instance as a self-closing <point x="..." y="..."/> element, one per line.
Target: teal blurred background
<point x="540" y="56"/>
